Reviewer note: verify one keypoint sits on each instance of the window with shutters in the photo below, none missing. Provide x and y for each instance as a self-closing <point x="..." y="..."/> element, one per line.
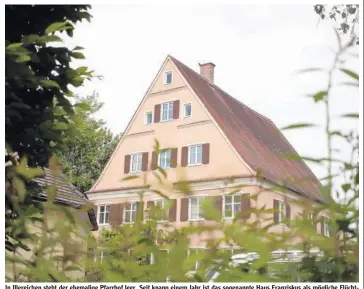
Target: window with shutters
<point x="130" y="212"/>
<point x="103" y="212"/>
<point x="281" y="211"/>
<point x="168" y="77"/>
<point x="232" y="206"/>
<point x="163" y="211"/>
<point x="326" y="227"/>
<point x="164" y="159"/>
<point x="148" y="118"/>
<point x="136" y="161"/>
<point x="167" y="111"/>
<point x="195" y="210"/>
<point x="195" y="155"/>
<point x="187" y="110"/>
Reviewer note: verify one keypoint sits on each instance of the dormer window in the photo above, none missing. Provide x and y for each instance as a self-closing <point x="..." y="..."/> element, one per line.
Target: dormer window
<point x="168" y="77"/>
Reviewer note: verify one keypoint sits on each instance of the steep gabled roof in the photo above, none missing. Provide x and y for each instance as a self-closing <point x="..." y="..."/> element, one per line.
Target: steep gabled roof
<point x="257" y="140"/>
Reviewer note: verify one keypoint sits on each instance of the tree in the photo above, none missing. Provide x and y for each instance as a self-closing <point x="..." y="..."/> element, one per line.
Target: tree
<point x="38" y="85"/>
<point x="38" y="77"/>
<point x="87" y="145"/>
<point x="347" y="16"/>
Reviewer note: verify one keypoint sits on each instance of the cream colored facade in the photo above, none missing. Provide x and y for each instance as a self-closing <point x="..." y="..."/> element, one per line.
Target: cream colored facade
<point x="74" y="239"/>
<point x="208" y="179"/>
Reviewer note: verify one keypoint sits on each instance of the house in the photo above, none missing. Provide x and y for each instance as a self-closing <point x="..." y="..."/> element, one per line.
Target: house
<point x="212" y="139"/>
<point x="82" y="210"/>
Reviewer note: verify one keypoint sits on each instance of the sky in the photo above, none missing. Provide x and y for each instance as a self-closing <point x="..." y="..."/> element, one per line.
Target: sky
<point x="257" y="50"/>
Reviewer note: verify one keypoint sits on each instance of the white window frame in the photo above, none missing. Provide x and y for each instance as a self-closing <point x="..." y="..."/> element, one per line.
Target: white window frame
<point x="199" y="198"/>
<point x="184" y="109"/>
<point x="146" y="117"/>
<point x="106" y="211"/>
<point x="197" y="248"/>
<point x="169" y="118"/>
<point x="326" y="227"/>
<point x="163" y="207"/>
<point x="137" y="170"/>
<point x="165" y="158"/>
<point x="281" y="211"/>
<point x="232" y="204"/>
<point x="131" y="210"/>
<point x="99" y="256"/>
<point x="189" y="154"/>
<point x="165" y="77"/>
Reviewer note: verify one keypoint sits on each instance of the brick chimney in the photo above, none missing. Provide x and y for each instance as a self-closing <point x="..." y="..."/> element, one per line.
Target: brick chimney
<point x="207" y="71"/>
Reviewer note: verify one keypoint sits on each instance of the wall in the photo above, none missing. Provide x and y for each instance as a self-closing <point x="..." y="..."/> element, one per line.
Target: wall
<point x="57" y="221"/>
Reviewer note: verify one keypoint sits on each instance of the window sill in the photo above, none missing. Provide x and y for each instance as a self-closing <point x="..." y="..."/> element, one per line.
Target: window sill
<point x="195" y="165"/>
<point x="197" y="220"/>
<point x="162" y="221"/>
<point x="282" y="225"/>
<point x="134" y="173"/>
<point x="167" y="120"/>
<point x="103" y="225"/>
<point x="187" y="116"/>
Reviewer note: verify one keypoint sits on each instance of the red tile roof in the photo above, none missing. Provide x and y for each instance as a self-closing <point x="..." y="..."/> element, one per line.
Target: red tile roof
<point x="257" y="140"/>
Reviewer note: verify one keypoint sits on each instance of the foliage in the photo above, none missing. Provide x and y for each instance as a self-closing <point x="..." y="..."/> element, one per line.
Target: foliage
<point x="43" y="242"/>
<point x="87" y="145"/>
<point x="346" y="16"/>
<point x="39" y="76"/>
<point x="38" y="80"/>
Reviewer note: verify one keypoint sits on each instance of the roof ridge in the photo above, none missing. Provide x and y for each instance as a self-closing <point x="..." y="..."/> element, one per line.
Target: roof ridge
<point x="215" y="86"/>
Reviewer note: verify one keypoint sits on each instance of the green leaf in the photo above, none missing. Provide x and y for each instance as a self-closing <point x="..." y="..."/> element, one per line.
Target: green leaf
<point x="14" y="45"/>
<point x="58" y="26"/>
<point x="350" y="115"/>
<point x="78" y="55"/>
<point x="350" y="73"/>
<point x="78" y="48"/>
<point x="298" y="125"/>
<point x="319" y="96"/>
<point x="49" y="83"/>
<point x="49" y="38"/>
<point x="82" y="69"/>
<point x="60" y="126"/>
<point x="23" y="58"/>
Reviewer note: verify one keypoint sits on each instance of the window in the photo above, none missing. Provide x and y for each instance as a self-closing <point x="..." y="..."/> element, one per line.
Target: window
<point x="99" y="256"/>
<point x="148" y="117"/>
<point x="103" y="214"/>
<point x="195" y="155"/>
<point x="195" y="251"/>
<point x="162" y="205"/>
<point x="136" y="163"/>
<point x="232" y="205"/>
<point x="195" y="209"/>
<point x="168" y="77"/>
<point x="187" y="110"/>
<point x="327" y="227"/>
<point x="167" y="111"/>
<point x="281" y="211"/>
<point x="164" y="160"/>
<point x="130" y="212"/>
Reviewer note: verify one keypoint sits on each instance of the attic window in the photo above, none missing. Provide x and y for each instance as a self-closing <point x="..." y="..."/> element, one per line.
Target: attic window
<point x="168" y="77"/>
